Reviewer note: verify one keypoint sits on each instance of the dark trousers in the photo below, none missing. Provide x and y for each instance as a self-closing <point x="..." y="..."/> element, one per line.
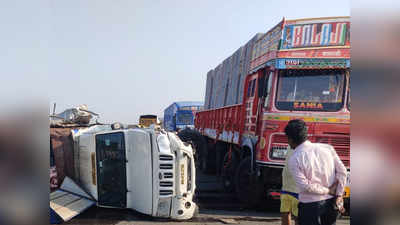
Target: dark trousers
<point x="318" y="213"/>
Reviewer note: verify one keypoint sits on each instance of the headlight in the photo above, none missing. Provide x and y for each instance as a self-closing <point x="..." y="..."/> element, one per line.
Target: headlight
<point x="278" y="152"/>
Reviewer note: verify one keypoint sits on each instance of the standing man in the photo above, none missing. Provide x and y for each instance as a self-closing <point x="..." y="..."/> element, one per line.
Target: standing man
<point x="289" y="194"/>
<point x="319" y="174"/>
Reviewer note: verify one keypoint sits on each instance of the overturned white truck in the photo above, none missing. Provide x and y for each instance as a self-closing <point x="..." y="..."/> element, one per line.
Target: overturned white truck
<point x="147" y="170"/>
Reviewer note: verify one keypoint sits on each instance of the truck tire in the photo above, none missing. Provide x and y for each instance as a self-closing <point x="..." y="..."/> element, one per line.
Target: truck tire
<point x="194" y="137"/>
<point x="200" y="145"/>
<point x="248" y="189"/>
<point x="228" y="170"/>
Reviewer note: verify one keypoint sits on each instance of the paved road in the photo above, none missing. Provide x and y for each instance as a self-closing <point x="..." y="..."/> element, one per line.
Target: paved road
<point x="102" y="216"/>
<point x="215" y="207"/>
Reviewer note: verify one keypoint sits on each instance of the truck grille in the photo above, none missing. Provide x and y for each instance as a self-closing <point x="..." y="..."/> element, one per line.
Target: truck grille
<point x="166" y="157"/>
<point x="341" y="145"/>
<point x="279" y="138"/>
<point x="166" y="192"/>
<point x="166" y="166"/>
<point x="166" y="184"/>
<point x="335" y="141"/>
<point x="166" y="175"/>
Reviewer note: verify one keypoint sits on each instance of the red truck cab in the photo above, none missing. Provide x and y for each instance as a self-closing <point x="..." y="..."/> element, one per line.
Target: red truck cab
<point x="323" y="108"/>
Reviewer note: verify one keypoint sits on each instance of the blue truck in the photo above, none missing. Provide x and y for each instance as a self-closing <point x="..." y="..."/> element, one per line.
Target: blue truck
<point x="180" y="115"/>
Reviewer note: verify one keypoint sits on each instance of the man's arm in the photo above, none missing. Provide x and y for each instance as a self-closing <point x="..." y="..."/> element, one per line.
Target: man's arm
<point x="341" y="173"/>
<point x="303" y="184"/>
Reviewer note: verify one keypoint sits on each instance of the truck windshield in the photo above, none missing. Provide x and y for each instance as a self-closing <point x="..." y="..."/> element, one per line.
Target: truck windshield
<point x="310" y="90"/>
<point x="185" y="118"/>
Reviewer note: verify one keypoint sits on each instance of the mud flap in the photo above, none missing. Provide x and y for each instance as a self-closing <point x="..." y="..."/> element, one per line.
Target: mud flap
<point x="70" y="200"/>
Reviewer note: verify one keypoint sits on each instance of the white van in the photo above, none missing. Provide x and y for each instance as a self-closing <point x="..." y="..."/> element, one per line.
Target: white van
<point x="146" y="170"/>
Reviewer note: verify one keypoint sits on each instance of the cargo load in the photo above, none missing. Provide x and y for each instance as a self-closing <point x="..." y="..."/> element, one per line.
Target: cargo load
<point x="224" y="85"/>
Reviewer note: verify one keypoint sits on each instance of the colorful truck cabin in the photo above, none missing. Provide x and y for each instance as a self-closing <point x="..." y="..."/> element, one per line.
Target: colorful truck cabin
<point x="298" y="69"/>
<point x="305" y="74"/>
<point x="180" y="115"/>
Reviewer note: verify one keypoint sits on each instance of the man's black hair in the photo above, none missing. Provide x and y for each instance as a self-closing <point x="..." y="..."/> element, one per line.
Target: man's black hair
<point x="296" y="130"/>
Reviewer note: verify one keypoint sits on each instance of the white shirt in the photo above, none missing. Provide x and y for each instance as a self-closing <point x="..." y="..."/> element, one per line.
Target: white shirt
<point x="315" y="167"/>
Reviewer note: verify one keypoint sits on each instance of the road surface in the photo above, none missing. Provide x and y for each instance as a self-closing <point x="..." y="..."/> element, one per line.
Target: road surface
<point x="215" y="207"/>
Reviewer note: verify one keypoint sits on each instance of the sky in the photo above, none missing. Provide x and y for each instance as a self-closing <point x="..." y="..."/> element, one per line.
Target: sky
<point x="124" y="58"/>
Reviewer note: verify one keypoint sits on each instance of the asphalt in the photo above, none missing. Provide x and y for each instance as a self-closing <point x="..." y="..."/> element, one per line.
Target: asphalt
<point x="215" y="207"/>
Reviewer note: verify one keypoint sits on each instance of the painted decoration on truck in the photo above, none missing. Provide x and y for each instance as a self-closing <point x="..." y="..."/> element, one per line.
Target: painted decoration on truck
<point x="279" y="117"/>
<point x="316" y="53"/>
<point x="315" y="35"/>
<point x="312" y="63"/>
<point x="266" y="47"/>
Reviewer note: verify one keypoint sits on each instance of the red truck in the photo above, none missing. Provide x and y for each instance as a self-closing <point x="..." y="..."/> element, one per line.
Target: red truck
<point x="298" y="69"/>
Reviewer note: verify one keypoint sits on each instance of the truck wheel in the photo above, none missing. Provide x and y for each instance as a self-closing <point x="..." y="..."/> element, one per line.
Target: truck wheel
<point x="228" y="172"/>
<point x="199" y="144"/>
<point x="248" y="190"/>
<point x="195" y="138"/>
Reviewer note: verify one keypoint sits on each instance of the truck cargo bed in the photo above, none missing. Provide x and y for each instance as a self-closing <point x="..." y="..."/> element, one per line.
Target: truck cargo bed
<point x="225" y="123"/>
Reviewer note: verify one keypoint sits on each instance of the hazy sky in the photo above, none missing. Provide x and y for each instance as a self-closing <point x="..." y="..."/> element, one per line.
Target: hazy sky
<point x="126" y="58"/>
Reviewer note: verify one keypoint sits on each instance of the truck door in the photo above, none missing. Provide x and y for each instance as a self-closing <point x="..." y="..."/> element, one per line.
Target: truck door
<point x="111" y="167"/>
<point x="251" y="103"/>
